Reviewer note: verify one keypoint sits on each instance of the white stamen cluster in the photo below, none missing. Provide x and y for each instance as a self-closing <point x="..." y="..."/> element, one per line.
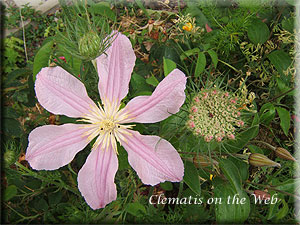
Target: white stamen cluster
<point x="214" y="114"/>
<point x="106" y="123"/>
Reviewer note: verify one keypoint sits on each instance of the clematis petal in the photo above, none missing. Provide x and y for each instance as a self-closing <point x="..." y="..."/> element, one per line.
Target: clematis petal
<point x="52" y="146"/>
<point x="115" y="68"/>
<point x="154" y="159"/>
<point x="61" y="93"/>
<point x="96" y="177"/>
<point x="166" y="99"/>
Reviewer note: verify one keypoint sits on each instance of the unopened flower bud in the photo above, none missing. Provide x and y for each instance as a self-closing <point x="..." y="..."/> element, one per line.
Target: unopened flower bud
<point x="262" y="195"/>
<point x="257" y="159"/>
<point x="284" y="154"/>
<point x="203" y="161"/>
<point x="89" y="45"/>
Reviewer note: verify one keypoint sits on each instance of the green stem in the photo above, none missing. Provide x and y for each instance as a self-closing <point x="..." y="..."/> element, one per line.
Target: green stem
<point x="180" y="189"/>
<point x="274" y="189"/>
<point x="278" y="96"/>
<point x="15" y="88"/>
<point x="70" y="168"/>
<point x="225" y="63"/>
<point x="267" y="144"/>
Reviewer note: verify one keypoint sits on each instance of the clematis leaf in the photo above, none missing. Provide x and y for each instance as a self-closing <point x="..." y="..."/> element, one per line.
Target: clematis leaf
<point x="169" y="66"/>
<point x="41" y="58"/>
<point x="135" y="208"/>
<point x="191" y="177"/>
<point x="285" y="119"/>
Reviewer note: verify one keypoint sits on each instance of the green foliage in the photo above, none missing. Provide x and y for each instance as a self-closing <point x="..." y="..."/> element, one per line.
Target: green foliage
<point x="191" y="177"/>
<point x="281" y="60"/>
<point x="42" y="58"/>
<point x="231" y="210"/>
<point x="13" y="18"/>
<point x="285" y="119"/>
<point x="258" y="32"/>
<point x="13" y="54"/>
<point x="169" y="66"/>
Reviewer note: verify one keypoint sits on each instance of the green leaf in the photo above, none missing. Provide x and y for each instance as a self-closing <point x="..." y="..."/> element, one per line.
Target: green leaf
<point x="55" y="198"/>
<point x="167" y="186"/>
<point x="40" y="204"/>
<point x="282" y="87"/>
<point x="289" y="24"/>
<point x="232" y="173"/>
<point x="12" y="76"/>
<point x="103" y="9"/>
<point x="10" y="192"/>
<point x="273" y="207"/>
<point x="255" y="149"/>
<point x="194" y="11"/>
<point x="140" y="4"/>
<point x="285" y="119"/>
<point x="228" y="211"/>
<point x="138" y="84"/>
<point x="41" y="58"/>
<point x="255" y="120"/>
<point x="189" y="53"/>
<point x="122" y="158"/>
<point x="241" y="140"/>
<point x="283" y="211"/>
<point x="201" y="63"/>
<point x="292" y="2"/>
<point x="8" y="112"/>
<point x="169" y="66"/>
<point x="152" y="81"/>
<point x="267" y="113"/>
<point x="214" y="57"/>
<point x="242" y="167"/>
<point x="191" y="177"/>
<point x="12" y="127"/>
<point x="258" y="32"/>
<point x="281" y="60"/>
<point x="135" y="209"/>
<point x="290" y="185"/>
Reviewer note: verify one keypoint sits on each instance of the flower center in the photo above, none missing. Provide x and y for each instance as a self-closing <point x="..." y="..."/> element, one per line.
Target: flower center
<point x="106" y="123"/>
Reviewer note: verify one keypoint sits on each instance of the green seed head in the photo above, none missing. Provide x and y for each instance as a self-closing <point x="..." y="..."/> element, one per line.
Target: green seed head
<point x="9" y="157"/>
<point x="90" y="45"/>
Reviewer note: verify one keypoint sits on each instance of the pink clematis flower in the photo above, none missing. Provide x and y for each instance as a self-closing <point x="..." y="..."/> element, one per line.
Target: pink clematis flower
<point x="52" y="146"/>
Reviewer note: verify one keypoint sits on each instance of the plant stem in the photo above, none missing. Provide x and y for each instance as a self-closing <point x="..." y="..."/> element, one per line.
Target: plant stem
<point x="180" y="189"/>
<point x="278" y="96"/>
<point x="274" y="189"/>
<point x="267" y="144"/>
<point x="228" y="65"/>
<point x="24" y="40"/>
